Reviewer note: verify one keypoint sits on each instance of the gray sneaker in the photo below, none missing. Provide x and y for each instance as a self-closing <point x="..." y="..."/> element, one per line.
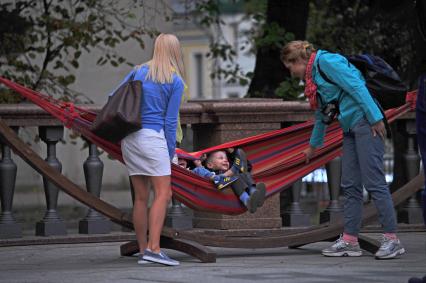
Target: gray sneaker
<point x="159" y="258"/>
<point x="342" y="248"/>
<point x="389" y="249"/>
<point x="142" y="261"/>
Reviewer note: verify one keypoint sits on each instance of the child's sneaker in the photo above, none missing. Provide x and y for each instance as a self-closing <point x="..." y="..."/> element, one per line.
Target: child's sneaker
<point x="222" y="181"/>
<point x="255" y="199"/>
<point x="237" y="164"/>
<point x="390" y="248"/>
<point x="342" y="248"/>
<point x="159" y="258"/>
<point x="261" y="188"/>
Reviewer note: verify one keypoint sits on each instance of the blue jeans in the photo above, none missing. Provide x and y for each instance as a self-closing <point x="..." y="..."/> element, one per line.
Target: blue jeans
<point x="362" y="165"/>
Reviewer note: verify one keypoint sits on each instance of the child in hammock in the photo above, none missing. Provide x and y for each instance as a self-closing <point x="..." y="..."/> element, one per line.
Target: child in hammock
<point x="219" y="171"/>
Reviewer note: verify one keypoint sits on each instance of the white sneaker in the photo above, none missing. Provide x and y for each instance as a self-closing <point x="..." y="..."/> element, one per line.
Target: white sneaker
<point x="342" y="248"/>
<point x="389" y="249"/>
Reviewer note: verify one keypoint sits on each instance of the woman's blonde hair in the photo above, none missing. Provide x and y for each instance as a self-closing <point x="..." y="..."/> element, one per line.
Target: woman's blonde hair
<point x="166" y="60"/>
<point x="296" y="49"/>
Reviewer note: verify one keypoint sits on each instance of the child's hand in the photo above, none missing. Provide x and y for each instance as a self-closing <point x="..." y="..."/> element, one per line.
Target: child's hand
<point x="230" y="149"/>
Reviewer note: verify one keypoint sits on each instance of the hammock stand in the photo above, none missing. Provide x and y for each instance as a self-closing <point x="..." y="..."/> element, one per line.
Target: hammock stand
<point x="191" y="243"/>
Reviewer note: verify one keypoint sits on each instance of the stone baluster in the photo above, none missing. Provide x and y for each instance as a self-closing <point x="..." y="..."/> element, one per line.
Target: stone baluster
<point x="411" y="213"/>
<point x="334" y="211"/>
<point x="295" y="216"/>
<point x="9" y="228"/>
<point x="51" y="224"/>
<point x="94" y="222"/>
<point x="177" y="217"/>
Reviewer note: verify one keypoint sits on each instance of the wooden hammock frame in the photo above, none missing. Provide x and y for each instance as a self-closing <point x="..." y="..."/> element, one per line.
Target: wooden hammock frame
<point x="192" y="243"/>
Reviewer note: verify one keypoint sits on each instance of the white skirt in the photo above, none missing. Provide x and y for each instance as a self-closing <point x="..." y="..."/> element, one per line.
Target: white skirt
<point x="145" y="153"/>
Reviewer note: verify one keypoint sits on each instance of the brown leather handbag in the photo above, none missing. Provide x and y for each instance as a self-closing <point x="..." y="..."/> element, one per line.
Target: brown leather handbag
<point x="121" y="115"/>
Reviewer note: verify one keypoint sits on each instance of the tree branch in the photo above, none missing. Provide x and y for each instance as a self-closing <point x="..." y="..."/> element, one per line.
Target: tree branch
<point x="48" y="45"/>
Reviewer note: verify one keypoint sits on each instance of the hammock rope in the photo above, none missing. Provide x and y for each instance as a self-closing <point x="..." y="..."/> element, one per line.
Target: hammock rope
<point x="276" y="156"/>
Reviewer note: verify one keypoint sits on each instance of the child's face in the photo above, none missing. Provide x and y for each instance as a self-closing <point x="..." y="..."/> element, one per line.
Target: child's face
<point x="218" y="161"/>
<point x="182" y="162"/>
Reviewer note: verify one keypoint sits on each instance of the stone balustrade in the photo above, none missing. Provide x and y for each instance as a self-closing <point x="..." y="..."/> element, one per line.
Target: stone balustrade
<point x="206" y="123"/>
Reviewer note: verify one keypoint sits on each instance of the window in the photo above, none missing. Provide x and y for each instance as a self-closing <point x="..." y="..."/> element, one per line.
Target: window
<point x="199" y="74"/>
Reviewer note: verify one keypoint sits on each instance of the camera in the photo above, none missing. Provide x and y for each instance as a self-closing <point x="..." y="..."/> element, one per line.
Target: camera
<point x="330" y="112"/>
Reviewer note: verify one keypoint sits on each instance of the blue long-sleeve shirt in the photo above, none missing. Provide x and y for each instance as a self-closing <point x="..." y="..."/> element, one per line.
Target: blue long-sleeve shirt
<point x="349" y="89"/>
<point x="203" y="172"/>
<point x="160" y="105"/>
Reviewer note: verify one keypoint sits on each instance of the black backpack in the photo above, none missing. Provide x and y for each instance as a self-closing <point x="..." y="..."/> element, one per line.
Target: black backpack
<point x="381" y="80"/>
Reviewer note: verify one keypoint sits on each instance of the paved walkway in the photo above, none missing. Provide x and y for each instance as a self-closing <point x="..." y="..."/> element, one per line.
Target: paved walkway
<point x="101" y="262"/>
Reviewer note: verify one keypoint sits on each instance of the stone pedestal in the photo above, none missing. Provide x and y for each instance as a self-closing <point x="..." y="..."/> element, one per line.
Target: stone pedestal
<point x="266" y="217"/>
<point x="229" y="124"/>
<point x="214" y="134"/>
<point x="50" y="226"/>
<point x="96" y="224"/>
<point x="9" y="228"/>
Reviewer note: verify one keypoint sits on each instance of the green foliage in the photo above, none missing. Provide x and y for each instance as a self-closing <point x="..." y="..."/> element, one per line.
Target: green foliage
<point x="261" y="35"/>
<point x="42" y="41"/>
<point x="209" y="15"/>
<point x="290" y="89"/>
<point x="348" y="27"/>
<point x="273" y="36"/>
<point x="353" y="27"/>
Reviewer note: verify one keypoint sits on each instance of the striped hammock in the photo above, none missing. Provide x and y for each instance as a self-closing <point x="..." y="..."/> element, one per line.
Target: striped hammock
<point x="276" y="156"/>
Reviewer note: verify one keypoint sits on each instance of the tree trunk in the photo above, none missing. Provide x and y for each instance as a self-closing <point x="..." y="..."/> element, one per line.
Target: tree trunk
<point x="269" y="72"/>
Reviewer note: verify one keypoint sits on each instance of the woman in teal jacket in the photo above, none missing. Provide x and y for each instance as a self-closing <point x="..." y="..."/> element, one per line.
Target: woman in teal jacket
<point x="337" y="90"/>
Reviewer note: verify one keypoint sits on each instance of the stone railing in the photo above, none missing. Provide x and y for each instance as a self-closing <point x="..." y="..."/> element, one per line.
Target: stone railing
<point x="206" y="123"/>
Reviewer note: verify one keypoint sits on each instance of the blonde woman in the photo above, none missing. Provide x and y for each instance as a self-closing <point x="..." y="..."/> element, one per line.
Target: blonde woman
<point x="337" y="90"/>
<point x="148" y="152"/>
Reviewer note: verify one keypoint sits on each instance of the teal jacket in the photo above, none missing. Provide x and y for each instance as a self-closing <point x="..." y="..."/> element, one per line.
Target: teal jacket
<point x="355" y="102"/>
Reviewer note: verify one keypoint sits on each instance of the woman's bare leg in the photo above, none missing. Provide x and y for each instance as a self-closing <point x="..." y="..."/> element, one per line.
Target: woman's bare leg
<point x="140" y="209"/>
<point x="157" y="213"/>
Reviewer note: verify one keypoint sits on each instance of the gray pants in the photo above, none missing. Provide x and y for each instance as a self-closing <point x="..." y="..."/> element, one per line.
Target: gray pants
<point x="362" y="165"/>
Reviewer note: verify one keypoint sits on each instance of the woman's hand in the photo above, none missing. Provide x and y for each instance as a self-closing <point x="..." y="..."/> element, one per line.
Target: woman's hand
<point x="379" y="129"/>
<point x="309" y="152"/>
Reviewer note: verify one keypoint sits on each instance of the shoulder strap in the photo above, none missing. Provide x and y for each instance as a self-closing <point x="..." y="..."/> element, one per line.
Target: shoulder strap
<point x="327" y="79"/>
<point x="323" y="75"/>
